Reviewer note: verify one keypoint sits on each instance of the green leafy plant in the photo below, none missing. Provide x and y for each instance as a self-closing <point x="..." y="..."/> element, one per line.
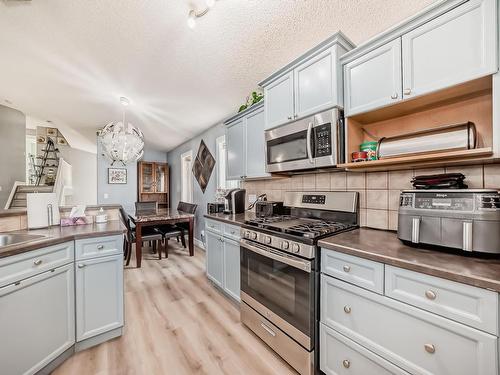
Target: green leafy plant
<point x="252" y="99"/>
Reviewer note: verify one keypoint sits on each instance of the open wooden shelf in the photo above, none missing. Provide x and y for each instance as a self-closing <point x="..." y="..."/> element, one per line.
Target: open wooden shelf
<point x="478" y="154"/>
<point x="472" y="101"/>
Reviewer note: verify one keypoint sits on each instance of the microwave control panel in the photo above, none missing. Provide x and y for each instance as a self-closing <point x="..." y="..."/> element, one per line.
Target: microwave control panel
<point x="455" y="201"/>
<point x="323" y="140"/>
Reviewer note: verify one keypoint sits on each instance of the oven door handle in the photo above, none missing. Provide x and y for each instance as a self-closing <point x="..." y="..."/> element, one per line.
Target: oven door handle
<point x="270" y="253"/>
<point x="308" y="141"/>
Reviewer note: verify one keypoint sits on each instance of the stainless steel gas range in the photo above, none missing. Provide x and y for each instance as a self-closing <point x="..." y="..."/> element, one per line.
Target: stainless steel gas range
<point x="280" y="271"/>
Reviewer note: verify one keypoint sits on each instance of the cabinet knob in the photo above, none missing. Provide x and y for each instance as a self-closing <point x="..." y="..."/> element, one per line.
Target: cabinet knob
<point x="289" y="117"/>
<point x="429" y="348"/>
<point x="407" y="91"/>
<point x="81" y="265"/>
<point x="346" y="363"/>
<point x="295" y="115"/>
<point x="394" y="96"/>
<point x="37" y="262"/>
<point x="100" y="247"/>
<point x="346" y="268"/>
<point x="347" y="309"/>
<point x="430" y="294"/>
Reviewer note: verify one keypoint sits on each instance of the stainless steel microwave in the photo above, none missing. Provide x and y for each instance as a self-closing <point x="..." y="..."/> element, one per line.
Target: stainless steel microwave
<point x="313" y="142"/>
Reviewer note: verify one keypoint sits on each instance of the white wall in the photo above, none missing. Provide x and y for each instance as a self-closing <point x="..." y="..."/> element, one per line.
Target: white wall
<point x="84" y="167"/>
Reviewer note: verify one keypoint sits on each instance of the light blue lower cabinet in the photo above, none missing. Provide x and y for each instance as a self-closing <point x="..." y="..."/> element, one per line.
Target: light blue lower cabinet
<point x="223" y="257"/>
<point x="99" y="295"/>
<point x="37" y="320"/>
<point x="340" y="355"/>
<point x="232" y="268"/>
<point x="417" y="341"/>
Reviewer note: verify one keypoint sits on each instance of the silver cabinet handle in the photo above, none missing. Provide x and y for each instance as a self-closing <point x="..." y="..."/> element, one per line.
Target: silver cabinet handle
<point x="269" y="330"/>
<point x="407" y="91"/>
<point x="100" y="247"/>
<point x="233" y="232"/>
<point x="295" y="115"/>
<point x="346" y="268"/>
<point x="81" y="265"/>
<point x="290" y="117"/>
<point x="467" y="236"/>
<point x="429" y="348"/>
<point x="415" y="230"/>
<point x="308" y="142"/>
<point x="37" y="262"/>
<point x="394" y="96"/>
<point x="430" y="294"/>
<point x="346" y="363"/>
<point x="347" y="309"/>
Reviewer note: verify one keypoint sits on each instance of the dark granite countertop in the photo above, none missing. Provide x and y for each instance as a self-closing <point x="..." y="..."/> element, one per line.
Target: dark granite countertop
<point x="385" y="247"/>
<point x="237" y="219"/>
<point x="58" y="234"/>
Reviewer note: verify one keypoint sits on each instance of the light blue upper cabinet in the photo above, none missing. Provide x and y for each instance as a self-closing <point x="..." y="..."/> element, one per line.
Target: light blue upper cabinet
<point x="246" y="147"/>
<point x="456" y="47"/>
<point x="279" y="101"/>
<point x="309" y="84"/>
<point x="235" y="145"/>
<point x="448" y="43"/>
<point x="316" y="84"/>
<point x="374" y="79"/>
<point x="256" y="147"/>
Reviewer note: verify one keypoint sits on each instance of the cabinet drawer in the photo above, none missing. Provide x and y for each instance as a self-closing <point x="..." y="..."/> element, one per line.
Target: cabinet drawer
<point x="232" y="231"/>
<point x="97" y="247"/>
<point x="18" y="267"/>
<point x="413" y="339"/>
<point x="339" y="355"/>
<point x="473" y="306"/>
<point x="214" y="226"/>
<point x="361" y="272"/>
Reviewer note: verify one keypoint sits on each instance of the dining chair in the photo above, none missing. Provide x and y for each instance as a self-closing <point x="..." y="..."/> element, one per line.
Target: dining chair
<point x="146" y="207"/>
<point x="179" y="230"/>
<point x="148" y="234"/>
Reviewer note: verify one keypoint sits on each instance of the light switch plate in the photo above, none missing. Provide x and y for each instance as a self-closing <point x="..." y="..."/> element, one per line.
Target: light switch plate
<point x="252" y="198"/>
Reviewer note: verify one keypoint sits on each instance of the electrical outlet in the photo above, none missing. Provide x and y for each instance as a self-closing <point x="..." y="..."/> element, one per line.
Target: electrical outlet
<point x="252" y="198"/>
<point x="106" y="195"/>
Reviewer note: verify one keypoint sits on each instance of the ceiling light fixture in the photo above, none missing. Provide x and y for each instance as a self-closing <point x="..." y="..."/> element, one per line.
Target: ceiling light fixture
<point x="121" y="141"/>
<point x="193" y="14"/>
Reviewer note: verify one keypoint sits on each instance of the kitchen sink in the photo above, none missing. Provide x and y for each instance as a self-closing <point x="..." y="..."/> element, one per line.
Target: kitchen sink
<point x="15" y="238"/>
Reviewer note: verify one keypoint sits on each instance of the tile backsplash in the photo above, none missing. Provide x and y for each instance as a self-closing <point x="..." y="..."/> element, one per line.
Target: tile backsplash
<point x="378" y="191"/>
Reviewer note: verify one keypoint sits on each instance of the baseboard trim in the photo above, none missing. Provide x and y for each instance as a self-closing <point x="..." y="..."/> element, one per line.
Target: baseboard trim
<point x="199" y="244"/>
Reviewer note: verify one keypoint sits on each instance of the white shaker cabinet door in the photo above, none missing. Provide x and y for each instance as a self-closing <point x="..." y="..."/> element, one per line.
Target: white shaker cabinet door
<point x="374" y="79"/>
<point x="99" y="296"/>
<point x="232" y="268"/>
<point x="37" y="321"/>
<point x="279" y="101"/>
<point x="316" y="84"/>
<point x="236" y="157"/>
<point x="215" y="258"/>
<point x="456" y="47"/>
<point x="256" y="145"/>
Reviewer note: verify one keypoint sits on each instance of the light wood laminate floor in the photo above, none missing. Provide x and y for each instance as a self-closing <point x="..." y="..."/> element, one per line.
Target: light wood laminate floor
<point x="177" y="322"/>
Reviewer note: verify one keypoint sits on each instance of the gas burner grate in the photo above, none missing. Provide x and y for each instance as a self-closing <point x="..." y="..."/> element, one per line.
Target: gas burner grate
<point x="317" y="228"/>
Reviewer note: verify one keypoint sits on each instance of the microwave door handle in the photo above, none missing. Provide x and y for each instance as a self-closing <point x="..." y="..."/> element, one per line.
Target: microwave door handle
<point x="296" y="263"/>
<point x="308" y="141"/>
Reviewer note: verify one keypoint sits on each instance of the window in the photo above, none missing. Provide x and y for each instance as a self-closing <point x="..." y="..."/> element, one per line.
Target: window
<point x="186" y="177"/>
<point x="221" y="158"/>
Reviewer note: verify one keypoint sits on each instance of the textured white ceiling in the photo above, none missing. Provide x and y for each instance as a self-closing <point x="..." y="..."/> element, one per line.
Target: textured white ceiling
<point x="70" y="60"/>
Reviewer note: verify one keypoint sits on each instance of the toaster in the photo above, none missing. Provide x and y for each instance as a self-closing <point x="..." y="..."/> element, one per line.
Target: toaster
<point x="467" y="220"/>
<point x="269" y="208"/>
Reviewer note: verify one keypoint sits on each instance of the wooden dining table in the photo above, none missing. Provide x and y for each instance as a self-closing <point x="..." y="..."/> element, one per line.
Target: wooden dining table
<point x="156" y="218"/>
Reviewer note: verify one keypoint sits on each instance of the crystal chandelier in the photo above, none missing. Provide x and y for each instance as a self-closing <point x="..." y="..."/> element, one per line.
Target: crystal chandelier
<point x="121" y="141"/>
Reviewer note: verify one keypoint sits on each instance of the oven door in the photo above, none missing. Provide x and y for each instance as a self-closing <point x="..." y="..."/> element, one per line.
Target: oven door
<point x="289" y="147"/>
<point x="281" y="288"/>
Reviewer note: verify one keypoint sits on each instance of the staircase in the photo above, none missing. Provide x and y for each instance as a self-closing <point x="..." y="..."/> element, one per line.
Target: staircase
<point x="19" y="195"/>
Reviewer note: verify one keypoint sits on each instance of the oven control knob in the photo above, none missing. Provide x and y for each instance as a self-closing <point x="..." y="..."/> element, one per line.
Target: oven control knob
<point x="285" y="245"/>
<point x="247" y="234"/>
<point x="268" y="239"/>
<point x="295" y="248"/>
<point x="254" y="236"/>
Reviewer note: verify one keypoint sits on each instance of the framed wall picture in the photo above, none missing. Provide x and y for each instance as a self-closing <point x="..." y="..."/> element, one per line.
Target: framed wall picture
<point x="52" y="132"/>
<point x="117" y="175"/>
